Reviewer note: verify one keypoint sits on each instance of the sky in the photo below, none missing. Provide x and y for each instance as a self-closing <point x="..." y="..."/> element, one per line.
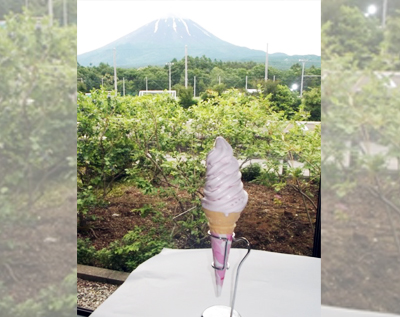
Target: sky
<point x="291" y="27"/>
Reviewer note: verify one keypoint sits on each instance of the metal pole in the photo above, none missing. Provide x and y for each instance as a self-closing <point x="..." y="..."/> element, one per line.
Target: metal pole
<point x="50" y="4"/>
<point x="186" y="76"/>
<point x="169" y="87"/>
<point x="146" y="84"/>
<point x="194" y="87"/>
<point x="123" y="85"/>
<point x="302" y="75"/>
<point x="102" y="82"/>
<point x="266" y="65"/>
<point x="246" y="83"/>
<point x="384" y="13"/>
<point x="65" y="12"/>
<point x="115" y="72"/>
<point x="219" y="79"/>
<point x="170" y="64"/>
<point x="274" y="77"/>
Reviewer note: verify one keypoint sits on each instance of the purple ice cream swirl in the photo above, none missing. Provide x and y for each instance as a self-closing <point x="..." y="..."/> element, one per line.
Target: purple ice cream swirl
<point x="223" y="190"/>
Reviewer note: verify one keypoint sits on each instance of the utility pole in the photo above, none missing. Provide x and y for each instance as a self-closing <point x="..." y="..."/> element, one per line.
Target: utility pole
<point x="384" y="13"/>
<point x="146" y="84"/>
<point x="246" y="83"/>
<point x="50" y="4"/>
<point x="266" y="64"/>
<point x="194" y="86"/>
<point x="115" y="72"/>
<point x="274" y="77"/>
<point x="302" y="75"/>
<point x="123" y="85"/>
<point x="219" y="79"/>
<point x="170" y="64"/>
<point x="102" y="82"/>
<point x="65" y="12"/>
<point x="186" y="76"/>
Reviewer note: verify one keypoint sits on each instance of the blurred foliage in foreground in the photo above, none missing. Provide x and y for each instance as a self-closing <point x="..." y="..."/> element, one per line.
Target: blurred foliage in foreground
<point x="37" y="150"/>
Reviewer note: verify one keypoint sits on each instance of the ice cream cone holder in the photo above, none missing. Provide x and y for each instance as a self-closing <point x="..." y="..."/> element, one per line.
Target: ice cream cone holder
<point x="221" y="310"/>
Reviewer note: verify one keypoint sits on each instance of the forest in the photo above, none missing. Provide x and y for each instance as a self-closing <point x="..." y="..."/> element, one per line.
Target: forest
<point x="214" y="76"/>
<point x="208" y="75"/>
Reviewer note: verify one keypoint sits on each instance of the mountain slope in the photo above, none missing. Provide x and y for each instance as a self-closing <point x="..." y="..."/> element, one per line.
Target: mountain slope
<point x="162" y="40"/>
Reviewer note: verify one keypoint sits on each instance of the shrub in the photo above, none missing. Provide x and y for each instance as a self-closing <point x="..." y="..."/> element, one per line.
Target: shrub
<point x="251" y="172"/>
<point x="134" y="248"/>
<point x="86" y="253"/>
<point x="55" y="300"/>
<point x="186" y="97"/>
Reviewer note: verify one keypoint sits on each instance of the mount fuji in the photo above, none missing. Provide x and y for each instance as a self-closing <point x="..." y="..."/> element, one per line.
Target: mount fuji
<point x="162" y="40"/>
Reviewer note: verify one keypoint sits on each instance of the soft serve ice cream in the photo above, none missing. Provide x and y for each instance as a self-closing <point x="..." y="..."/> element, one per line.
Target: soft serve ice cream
<point x="224" y="200"/>
<point x="223" y="191"/>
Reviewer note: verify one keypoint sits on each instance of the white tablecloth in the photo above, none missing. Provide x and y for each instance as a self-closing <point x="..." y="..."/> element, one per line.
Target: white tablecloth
<point x="180" y="283"/>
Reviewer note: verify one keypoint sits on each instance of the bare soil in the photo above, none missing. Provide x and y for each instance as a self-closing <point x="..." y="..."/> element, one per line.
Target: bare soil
<point x="361" y="263"/>
<point x="39" y="249"/>
<point x="270" y="221"/>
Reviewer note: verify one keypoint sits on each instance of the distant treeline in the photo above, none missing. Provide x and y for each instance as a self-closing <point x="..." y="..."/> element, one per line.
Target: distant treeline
<point x="203" y="73"/>
<point x="40" y="8"/>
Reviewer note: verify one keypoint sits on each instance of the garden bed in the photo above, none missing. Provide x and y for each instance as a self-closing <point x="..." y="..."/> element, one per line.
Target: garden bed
<point x="271" y="221"/>
<point x="360" y="267"/>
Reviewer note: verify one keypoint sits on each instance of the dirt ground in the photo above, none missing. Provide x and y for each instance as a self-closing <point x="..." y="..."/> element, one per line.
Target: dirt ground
<point x="39" y="249"/>
<point x="360" y="260"/>
<point x="270" y="221"/>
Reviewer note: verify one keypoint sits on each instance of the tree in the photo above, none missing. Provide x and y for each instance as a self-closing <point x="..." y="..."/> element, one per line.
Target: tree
<point x="186" y="97"/>
<point x="392" y="36"/>
<point x="216" y="74"/>
<point x="284" y="100"/>
<point x="312" y="103"/>
<point x="352" y="35"/>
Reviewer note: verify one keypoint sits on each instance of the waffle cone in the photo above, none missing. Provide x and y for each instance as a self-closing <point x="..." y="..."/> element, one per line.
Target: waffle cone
<point x="221" y="224"/>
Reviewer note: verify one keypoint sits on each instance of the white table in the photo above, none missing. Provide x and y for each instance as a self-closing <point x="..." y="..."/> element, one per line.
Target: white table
<point x="180" y="283"/>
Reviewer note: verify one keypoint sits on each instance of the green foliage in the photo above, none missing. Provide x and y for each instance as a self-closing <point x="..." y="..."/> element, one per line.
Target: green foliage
<point x="156" y="142"/>
<point x="357" y="118"/>
<point x="193" y="227"/>
<point x="40" y="8"/>
<point x="210" y="75"/>
<point x="35" y="140"/>
<point x="209" y="94"/>
<point x="161" y="148"/>
<point x="270" y="179"/>
<point x="50" y="301"/>
<point x="134" y="248"/>
<point x="186" y="97"/>
<point x="144" y="211"/>
<point x="358" y="39"/>
<point x="284" y="100"/>
<point x="312" y="102"/>
<point x="86" y="253"/>
<point x="251" y="172"/>
<point x="219" y="88"/>
<point x="353" y="35"/>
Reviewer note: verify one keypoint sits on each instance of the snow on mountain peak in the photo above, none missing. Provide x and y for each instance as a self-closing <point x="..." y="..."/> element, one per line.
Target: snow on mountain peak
<point x="156" y="26"/>
<point x="187" y="29"/>
<point x="174" y="24"/>
<point x="201" y="29"/>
